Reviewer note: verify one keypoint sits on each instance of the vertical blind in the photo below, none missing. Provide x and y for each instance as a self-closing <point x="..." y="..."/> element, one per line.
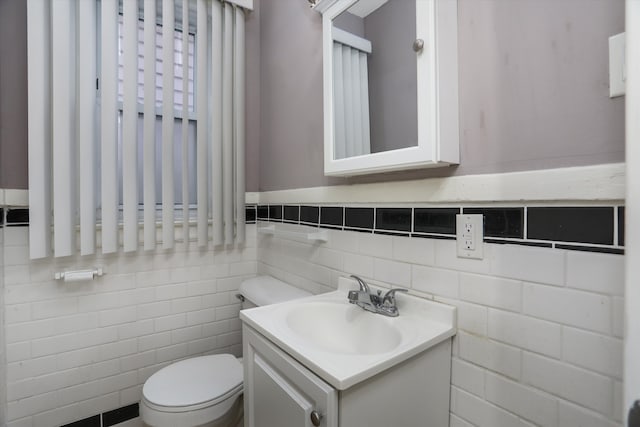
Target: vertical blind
<point x="351" y="94"/>
<point x="119" y="91"/>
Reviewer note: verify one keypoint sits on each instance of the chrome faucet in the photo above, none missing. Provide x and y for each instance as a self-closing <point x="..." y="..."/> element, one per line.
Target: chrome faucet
<point x="375" y="302"/>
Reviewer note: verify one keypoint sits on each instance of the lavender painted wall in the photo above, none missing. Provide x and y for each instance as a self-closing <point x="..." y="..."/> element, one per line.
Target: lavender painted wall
<point x="533" y="90"/>
<point x="13" y="94"/>
<point x="291" y="152"/>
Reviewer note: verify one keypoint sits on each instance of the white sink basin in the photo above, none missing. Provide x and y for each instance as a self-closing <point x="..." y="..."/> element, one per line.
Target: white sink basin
<point x="345" y="344"/>
<point x="360" y="332"/>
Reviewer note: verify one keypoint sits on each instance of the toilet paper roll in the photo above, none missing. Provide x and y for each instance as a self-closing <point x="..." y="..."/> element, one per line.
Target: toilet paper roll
<point x="78" y="276"/>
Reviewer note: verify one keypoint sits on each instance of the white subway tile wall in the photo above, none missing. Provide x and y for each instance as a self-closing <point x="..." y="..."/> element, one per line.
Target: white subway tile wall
<point x="539" y="329"/>
<point x="74" y="350"/>
<point x="539" y="339"/>
<point x="5" y="316"/>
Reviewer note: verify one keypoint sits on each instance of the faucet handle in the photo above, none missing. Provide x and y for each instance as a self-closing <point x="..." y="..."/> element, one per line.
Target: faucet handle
<point x="390" y="296"/>
<point x="363" y="285"/>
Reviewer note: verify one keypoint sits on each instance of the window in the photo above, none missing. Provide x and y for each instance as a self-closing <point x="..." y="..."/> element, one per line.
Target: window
<point x="180" y="72"/>
<point x="91" y="147"/>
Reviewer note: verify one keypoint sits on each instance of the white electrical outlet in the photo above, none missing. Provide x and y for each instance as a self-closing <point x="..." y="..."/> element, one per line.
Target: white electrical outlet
<point x="470" y="236"/>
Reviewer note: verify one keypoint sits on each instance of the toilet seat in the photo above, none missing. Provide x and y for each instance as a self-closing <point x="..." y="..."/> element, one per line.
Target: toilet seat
<point x="201" y="389"/>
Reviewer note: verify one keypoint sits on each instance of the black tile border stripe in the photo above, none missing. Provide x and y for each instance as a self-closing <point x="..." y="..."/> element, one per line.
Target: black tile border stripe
<point x="395" y="223"/>
<point x="309" y="215"/>
<point x="501" y="222"/>
<point x="331" y="227"/>
<point x="604" y="250"/>
<point x="16" y="217"/>
<point x="620" y="220"/>
<point x="275" y="213"/>
<point x="359" y="218"/>
<point x="251" y="214"/>
<point x="433" y="236"/>
<point x="120" y="415"/>
<point x="359" y="230"/>
<point x="392" y="233"/>
<point x="109" y="418"/>
<point x="93" y="421"/>
<point x="394" y="220"/>
<point x="437" y="221"/>
<point x="331" y="216"/>
<point x="588" y="224"/>
<point x="262" y="212"/>
<point x="291" y="213"/>
<point x="519" y="242"/>
<point x="507" y="225"/>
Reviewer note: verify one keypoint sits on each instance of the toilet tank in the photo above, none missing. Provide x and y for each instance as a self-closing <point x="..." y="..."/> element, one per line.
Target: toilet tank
<point x="265" y="290"/>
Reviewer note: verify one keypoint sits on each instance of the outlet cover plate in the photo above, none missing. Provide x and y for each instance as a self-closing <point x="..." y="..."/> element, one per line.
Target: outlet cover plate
<point x="470" y="236"/>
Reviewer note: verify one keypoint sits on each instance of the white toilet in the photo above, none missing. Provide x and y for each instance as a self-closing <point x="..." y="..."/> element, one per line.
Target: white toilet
<point x="207" y="390"/>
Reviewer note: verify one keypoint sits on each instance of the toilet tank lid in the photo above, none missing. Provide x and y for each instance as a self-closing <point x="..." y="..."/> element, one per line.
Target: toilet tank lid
<point x="264" y="290"/>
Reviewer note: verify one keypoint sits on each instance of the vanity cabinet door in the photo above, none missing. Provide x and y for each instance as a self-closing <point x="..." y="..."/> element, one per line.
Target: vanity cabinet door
<point x="278" y="391"/>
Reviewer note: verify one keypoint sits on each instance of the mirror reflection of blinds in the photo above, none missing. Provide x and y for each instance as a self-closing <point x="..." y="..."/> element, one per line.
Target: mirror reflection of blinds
<point x="93" y="154"/>
<point x="351" y="94"/>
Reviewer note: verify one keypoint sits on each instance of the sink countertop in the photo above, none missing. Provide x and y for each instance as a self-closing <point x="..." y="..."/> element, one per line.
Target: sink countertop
<point x="422" y="323"/>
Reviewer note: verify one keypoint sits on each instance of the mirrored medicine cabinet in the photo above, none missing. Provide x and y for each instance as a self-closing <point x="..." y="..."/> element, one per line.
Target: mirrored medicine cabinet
<point x="390" y="74"/>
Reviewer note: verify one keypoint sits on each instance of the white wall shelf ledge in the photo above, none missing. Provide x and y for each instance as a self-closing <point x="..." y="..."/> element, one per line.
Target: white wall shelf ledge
<point x="295" y="233"/>
<point x="321" y="5"/>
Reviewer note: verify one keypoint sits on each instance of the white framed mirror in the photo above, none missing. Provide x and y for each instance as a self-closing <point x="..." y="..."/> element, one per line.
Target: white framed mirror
<point x="390" y="75"/>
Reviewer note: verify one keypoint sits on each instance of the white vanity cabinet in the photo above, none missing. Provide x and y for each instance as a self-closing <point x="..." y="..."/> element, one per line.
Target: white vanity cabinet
<point x="281" y="392"/>
<point x="278" y="391"/>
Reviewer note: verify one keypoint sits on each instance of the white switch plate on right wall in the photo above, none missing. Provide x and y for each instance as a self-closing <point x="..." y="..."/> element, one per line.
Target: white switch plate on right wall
<point x="470" y="235"/>
<point x="617" y="66"/>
